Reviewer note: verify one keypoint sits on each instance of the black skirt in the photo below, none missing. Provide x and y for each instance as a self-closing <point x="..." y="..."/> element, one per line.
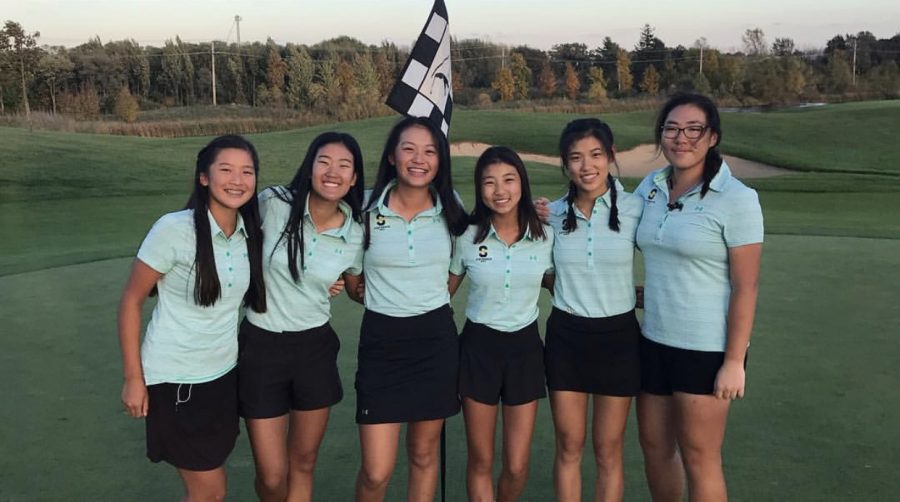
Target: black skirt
<point x="407" y="368"/>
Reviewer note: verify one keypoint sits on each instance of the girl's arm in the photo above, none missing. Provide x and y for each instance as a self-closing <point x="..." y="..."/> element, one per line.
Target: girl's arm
<point x="355" y="287"/>
<point x="134" y="390"/>
<point x="548" y="281"/>
<point x="744" y="271"/>
<point x="453" y="283"/>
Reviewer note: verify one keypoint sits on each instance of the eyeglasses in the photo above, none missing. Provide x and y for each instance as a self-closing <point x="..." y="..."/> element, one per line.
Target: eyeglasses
<point x="690" y="132"/>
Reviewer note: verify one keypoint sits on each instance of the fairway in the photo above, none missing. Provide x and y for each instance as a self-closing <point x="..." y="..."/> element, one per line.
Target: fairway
<point x="816" y="424"/>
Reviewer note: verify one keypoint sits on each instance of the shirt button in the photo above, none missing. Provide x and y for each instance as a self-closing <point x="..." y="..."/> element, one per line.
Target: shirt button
<point x="590" y="253"/>
<point x="229" y="284"/>
<point x="410" y="247"/>
<point x="230" y="269"/>
<point x="409" y="232"/>
<point x="227" y="253"/>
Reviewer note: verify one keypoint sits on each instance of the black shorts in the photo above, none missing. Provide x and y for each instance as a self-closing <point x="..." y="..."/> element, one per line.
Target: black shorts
<point x="193" y="426"/>
<point x="407" y="367"/>
<point x="666" y="369"/>
<point x="495" y="365"/>
<point x="279" y="372"/>
<point x="595" y="355"/>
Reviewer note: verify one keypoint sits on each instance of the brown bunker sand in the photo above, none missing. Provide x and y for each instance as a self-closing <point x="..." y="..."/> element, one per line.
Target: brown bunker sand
<point x="634" y="163"/>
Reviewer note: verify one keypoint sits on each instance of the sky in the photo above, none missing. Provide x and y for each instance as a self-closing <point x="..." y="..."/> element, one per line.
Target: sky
<point x="537" y="23"/>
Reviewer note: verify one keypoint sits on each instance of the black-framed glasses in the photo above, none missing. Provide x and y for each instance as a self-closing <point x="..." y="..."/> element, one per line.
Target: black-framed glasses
<point x="690" y="132"/>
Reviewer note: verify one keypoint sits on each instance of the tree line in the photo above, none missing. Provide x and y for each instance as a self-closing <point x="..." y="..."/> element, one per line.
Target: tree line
<point x="347" y="79"/>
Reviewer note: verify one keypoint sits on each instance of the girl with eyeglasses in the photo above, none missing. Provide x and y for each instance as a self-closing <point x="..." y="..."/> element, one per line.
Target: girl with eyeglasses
<point x="701" y="236"/>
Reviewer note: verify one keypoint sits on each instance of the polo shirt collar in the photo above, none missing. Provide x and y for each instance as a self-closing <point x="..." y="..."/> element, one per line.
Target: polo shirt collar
<point x="717" y="184"/>
<point x="433" y="211"/>
<point x="344" y="230"/>
<point x="215" y="229"/>
<point x="606" y="198"/>
<point x="493" y="233"/>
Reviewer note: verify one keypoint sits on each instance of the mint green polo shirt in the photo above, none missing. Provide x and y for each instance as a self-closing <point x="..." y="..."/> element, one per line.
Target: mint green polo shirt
<point x="407" y="264"/>
<point x="504" y="280"/>
<point x="593" y="264"/>
<point x="688" y="283"/>
<point x="186" y="342"/>
<point x="305" y="303"/>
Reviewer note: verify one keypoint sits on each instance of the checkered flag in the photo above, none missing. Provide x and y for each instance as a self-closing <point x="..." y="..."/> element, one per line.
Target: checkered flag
<point x="425" y="88"/>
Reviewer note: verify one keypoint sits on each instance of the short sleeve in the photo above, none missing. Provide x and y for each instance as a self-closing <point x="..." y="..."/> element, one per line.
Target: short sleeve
<point x="744" y="222"/>
<point x="644" y="186"/>
<point x="158" y="250"/>
<point x="356" y="268"/>
<point x="548" y="232"/>
<point x="456" y="261"/>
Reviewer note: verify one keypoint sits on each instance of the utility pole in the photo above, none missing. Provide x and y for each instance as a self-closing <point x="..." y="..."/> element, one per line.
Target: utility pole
<point x="212" y="53"/>
<point x="701" y="60"/>
<point x="237" y="22"/>
<point x="503" y="56"/>
<point x="854" y="62"/>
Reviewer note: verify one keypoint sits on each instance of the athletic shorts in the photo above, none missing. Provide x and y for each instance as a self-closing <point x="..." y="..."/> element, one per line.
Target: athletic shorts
<point x="407" y="367"/>
<point x="279" y="372"/>
<point x="497" y="365"/>
<point x="594" y="355"/>
<point x="193" y="426"/>
<point x="666" y="369"/>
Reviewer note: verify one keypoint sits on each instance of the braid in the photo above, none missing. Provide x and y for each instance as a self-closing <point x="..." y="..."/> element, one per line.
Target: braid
<point x="570" y="223"/>
<point x="614" y="209"/>
<point x="711" y="166"/>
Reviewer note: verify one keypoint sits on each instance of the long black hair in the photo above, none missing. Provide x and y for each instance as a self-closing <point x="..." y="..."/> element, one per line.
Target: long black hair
<point x="713" y="161"/>
<point x="207" y="288"/>
<point x="575" y="131"/>
<point x="527" y="216"/>
<point x="297" y="191"/>
<point x="454" y="215"/>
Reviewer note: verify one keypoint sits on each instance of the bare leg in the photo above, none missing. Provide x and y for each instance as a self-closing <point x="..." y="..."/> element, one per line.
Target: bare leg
<point x="268" y="440"/>
<point x="662" y="463"/>
<point x="307" y="431"/>
<point x="203" y="486"/>
<point x="701" y="431"/>
<point x="423" y="441"/>
<point x="518" y="428"/>
<point x="570" y="421"/>
<point x="610" y="417"/>
<point x="481" y="422"/>
<point x="378" y="445"/>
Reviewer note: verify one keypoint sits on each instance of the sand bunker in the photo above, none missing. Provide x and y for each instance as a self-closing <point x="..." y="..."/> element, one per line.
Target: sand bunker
<point x="634" y="163"/>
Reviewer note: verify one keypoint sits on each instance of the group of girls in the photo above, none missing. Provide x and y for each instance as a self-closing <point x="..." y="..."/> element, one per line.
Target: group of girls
<point x="282" y="252"/>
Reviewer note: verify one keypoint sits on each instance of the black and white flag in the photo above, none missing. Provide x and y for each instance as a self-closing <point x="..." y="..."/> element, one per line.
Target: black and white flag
<point x="425" y="87"/>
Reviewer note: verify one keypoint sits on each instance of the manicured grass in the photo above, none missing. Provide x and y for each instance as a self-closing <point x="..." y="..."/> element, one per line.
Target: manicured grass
<point x="817" y="423"/>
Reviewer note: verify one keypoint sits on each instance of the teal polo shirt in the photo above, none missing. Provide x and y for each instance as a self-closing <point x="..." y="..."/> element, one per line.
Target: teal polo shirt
<point x="593" y="264"/>
<point x="688" y="285"/>
<point x="186" y="342"/>
<point x="504" y="280"/>
<point x="305" y="303"/>
<point x="407" y="264"/>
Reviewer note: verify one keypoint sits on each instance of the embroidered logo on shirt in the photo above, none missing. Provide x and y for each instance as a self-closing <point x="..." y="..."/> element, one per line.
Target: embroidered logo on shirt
<point x="483" y="254"/>
<point x="651" y="195"/>
<point x="381" y="222"/>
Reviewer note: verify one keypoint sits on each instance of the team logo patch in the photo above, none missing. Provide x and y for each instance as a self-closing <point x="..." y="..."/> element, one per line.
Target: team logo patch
<point x="651" y="195"/>
<point x="379" y="220"/>
<point x="483" y="254"/>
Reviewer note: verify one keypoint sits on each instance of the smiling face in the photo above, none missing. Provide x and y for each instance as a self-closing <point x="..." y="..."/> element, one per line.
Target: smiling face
<point x="332" y="173"/>
<point x="231" y="180"/>
<point x="587" y="165"/>
<point x="501" y="188"/>
<point x="682" y="152"/>
<point x="416" y="157"/>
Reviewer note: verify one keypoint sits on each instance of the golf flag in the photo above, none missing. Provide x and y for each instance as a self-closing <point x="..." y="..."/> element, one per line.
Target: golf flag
<point x="425" y="87"/>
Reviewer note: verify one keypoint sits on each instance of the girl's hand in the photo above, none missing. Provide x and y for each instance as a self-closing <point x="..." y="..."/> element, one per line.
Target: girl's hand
<point x="542" y="206"/>
<point x="134" y="397"/>
<point x="730" y="381"/>
<point x="336" y="288"/>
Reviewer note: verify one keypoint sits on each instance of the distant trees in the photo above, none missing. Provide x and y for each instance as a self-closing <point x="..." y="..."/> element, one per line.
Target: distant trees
<point x="18" y="48"/>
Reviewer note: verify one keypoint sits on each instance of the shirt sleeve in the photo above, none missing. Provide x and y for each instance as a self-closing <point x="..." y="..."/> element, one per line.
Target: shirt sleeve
<point x="356" y="268"/>
<point x="744" y="221"/>
<point x="644" y="186"/>
<point x="548" y="231"/>
<point x="158" y="250"/>
<point x="456" y="261"/>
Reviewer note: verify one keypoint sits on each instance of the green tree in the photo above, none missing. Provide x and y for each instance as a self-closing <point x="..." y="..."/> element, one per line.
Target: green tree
<point x="597" y="90"/>
<point x="650" y="82"/>
<point x="126" y="107"/>
<point x="755" y="42"/>
<point x="54" y="68"/>
<point x="22" y="49"/>
<point x="505" y="84"/>
<point x="521" y="75"/>
<point x="623" y="72"/>
<point x="300" y="74"/>
<point x="783" y="47"/>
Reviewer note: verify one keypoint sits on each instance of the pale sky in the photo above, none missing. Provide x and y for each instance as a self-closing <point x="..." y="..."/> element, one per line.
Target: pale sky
<point x="538" y="23"/>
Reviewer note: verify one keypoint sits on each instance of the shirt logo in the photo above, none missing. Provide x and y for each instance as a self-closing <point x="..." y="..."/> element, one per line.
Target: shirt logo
<point x="483" y="254"/>
<point x="651" y="195"/>
<point x="381" y="222"/>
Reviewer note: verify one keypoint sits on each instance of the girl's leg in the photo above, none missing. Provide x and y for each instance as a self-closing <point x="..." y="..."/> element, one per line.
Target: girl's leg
<point x="307" y="431"/>
<point x="268" y="440"/>
<point x="378" y="445"/>
<point x="481" y="422"/>
<point x="518" y="428"/>
<point x="569" y="420"/>
<point x="658" y="436"/>
<point x="610" y="417"/>
<point x="701" y="431"/>
<point x="203" y="486"/>
<point x="423" y="441"/>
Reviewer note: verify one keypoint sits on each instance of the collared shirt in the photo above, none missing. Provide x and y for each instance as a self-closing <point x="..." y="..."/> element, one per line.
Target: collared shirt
<point x="504" y="280"/>
<point x="407" y="263"/>
<point x="186" y="342"/>
<point x="688" y="283"/>
<point x="305" y="303"/>
<point x="594" y="264"/>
